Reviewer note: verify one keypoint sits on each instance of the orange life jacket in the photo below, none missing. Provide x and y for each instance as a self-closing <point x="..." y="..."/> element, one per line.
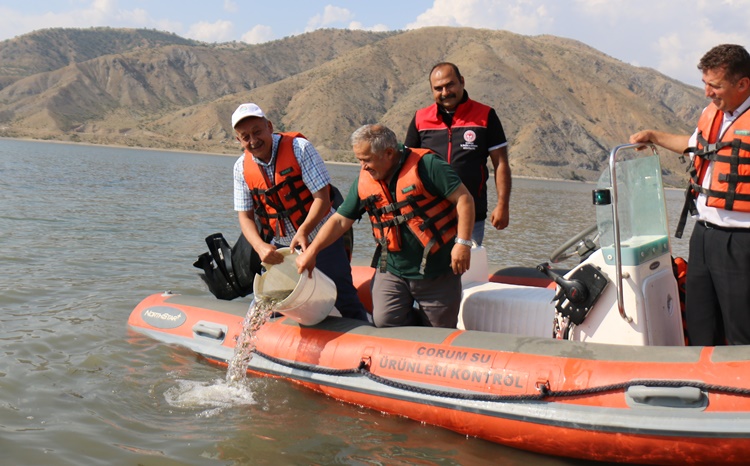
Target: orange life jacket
<point x="730" y="177"/>
<point x="431" y="219"/>
<point x="679" y="268"/>
<point x="286" y="196"/>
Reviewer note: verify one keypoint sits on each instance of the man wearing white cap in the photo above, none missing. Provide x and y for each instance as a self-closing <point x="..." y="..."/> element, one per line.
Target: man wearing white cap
<point x="282" y="197"/>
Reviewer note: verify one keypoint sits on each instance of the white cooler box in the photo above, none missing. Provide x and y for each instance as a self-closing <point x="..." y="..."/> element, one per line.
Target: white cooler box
<point x="505" y="308"/>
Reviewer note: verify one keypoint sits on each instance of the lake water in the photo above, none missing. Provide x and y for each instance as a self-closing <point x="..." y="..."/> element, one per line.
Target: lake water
<point x="87" y="232"/>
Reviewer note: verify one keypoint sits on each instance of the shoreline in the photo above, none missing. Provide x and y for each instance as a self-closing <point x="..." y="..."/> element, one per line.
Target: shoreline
<point x="120" y="146"/>
<point x="218" y="154"/>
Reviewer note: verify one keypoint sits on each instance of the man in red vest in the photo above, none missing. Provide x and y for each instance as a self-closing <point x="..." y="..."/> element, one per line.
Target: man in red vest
<point x="464" y="133"/>
<point x="718" y="197"/>
<point x="282" y="197"/>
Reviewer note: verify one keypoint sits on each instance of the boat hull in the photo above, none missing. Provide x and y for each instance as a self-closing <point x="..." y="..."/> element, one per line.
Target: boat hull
<point x="649" y="405"/>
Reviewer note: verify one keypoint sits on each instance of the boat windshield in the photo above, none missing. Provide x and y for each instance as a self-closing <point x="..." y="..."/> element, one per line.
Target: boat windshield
<point x="641" y="212"/>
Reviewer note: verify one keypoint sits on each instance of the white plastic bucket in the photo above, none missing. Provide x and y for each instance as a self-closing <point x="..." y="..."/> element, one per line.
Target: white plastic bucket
<point x="311" y="299"/>
<point x="478" y="269"/>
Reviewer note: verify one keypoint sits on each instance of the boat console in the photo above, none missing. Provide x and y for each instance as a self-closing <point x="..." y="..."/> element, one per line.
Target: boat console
<point x="622" y="293"/>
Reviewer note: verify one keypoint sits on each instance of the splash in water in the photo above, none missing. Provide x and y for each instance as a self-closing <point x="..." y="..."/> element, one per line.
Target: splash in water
<point x="213" y="397"/>
<point x="232" y="391"/>
<point x="258" y="314"/>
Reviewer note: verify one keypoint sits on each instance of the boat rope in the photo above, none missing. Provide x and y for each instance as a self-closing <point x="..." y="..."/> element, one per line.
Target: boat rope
<point x="307" y="367"/>
<point x="544" y="391"/>
<point x="650" y="383"/>
<point x="449" y="394"/>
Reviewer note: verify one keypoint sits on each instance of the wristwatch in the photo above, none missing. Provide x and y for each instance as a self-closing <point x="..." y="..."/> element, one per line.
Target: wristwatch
<point x="465" y="242"/>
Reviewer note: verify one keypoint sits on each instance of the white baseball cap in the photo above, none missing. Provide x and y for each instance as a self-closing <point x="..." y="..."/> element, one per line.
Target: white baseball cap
<point x="246" y="111"/>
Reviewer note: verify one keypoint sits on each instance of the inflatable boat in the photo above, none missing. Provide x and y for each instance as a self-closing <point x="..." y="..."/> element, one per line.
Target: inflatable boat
<point x="590" y="363"/>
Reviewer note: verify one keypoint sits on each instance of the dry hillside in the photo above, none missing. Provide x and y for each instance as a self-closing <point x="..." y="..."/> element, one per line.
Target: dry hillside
<point x="563" y="104"/>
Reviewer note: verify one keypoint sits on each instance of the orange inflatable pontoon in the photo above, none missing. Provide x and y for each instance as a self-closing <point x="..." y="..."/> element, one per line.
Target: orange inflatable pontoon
<point x="593" y="367"/>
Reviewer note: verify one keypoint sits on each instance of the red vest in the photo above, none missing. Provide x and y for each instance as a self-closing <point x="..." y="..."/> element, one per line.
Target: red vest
<point x="431" y="219"/>
<point x="286" y="196"/>
<point x="464" y="145"/>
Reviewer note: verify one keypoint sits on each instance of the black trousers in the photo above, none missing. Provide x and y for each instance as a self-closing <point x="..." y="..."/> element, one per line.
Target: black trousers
<point x="717" y="307"/>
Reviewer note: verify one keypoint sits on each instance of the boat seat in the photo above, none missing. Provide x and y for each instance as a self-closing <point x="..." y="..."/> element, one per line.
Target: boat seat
<point x="506" y="308"/>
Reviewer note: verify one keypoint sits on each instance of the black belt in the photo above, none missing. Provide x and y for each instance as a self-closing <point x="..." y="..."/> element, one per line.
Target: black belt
<point x="712" y="226"/>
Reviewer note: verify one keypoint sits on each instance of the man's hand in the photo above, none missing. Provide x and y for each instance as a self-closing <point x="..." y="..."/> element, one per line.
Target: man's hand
<point x="641" y="137"/>
<point x="500" y="217"/>
<point x="299" y="240"/>
<point x="269" y="255"/>
<point x="460" y="258"/>
<point x="305" y="262"/>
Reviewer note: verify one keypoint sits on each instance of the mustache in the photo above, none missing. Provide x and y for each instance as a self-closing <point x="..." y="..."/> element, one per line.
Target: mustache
<point x="449" y="96"/>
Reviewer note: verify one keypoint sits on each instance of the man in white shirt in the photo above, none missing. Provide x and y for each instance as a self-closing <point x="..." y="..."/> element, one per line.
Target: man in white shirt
<point x="718" y="278"/>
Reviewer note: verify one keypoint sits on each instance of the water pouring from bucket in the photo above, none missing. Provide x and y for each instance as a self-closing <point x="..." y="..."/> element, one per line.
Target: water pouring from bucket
<point x="306" y="299"/>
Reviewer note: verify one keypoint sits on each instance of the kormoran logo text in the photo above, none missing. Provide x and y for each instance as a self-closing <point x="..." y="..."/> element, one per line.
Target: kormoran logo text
<point x="162" y="315"/>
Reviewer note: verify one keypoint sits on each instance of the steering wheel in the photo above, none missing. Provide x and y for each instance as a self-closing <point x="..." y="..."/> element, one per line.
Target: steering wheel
<point x="580" y="244"/>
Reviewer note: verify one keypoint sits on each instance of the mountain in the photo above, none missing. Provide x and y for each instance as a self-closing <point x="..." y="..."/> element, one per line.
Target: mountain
<point x="563" y="104"/>
<point x="50" y="49"/>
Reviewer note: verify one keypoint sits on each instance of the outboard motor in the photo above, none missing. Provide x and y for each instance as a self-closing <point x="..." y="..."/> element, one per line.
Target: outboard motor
<point x="228" y="272"/>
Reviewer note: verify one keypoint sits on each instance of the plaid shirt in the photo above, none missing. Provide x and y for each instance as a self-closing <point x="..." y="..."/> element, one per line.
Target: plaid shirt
<point x="314" y="175"/>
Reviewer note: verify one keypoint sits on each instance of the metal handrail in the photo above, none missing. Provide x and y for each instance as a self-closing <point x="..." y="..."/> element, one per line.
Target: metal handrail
<point x="616" y="222"/>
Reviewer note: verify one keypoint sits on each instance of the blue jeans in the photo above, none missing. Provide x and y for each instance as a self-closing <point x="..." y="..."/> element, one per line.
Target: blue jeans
<point x="334" y="262"/>
<point x="477" y="234"/>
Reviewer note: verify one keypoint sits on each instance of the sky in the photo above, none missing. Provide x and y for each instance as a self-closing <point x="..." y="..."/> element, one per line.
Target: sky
<point x="667" y="35"/>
